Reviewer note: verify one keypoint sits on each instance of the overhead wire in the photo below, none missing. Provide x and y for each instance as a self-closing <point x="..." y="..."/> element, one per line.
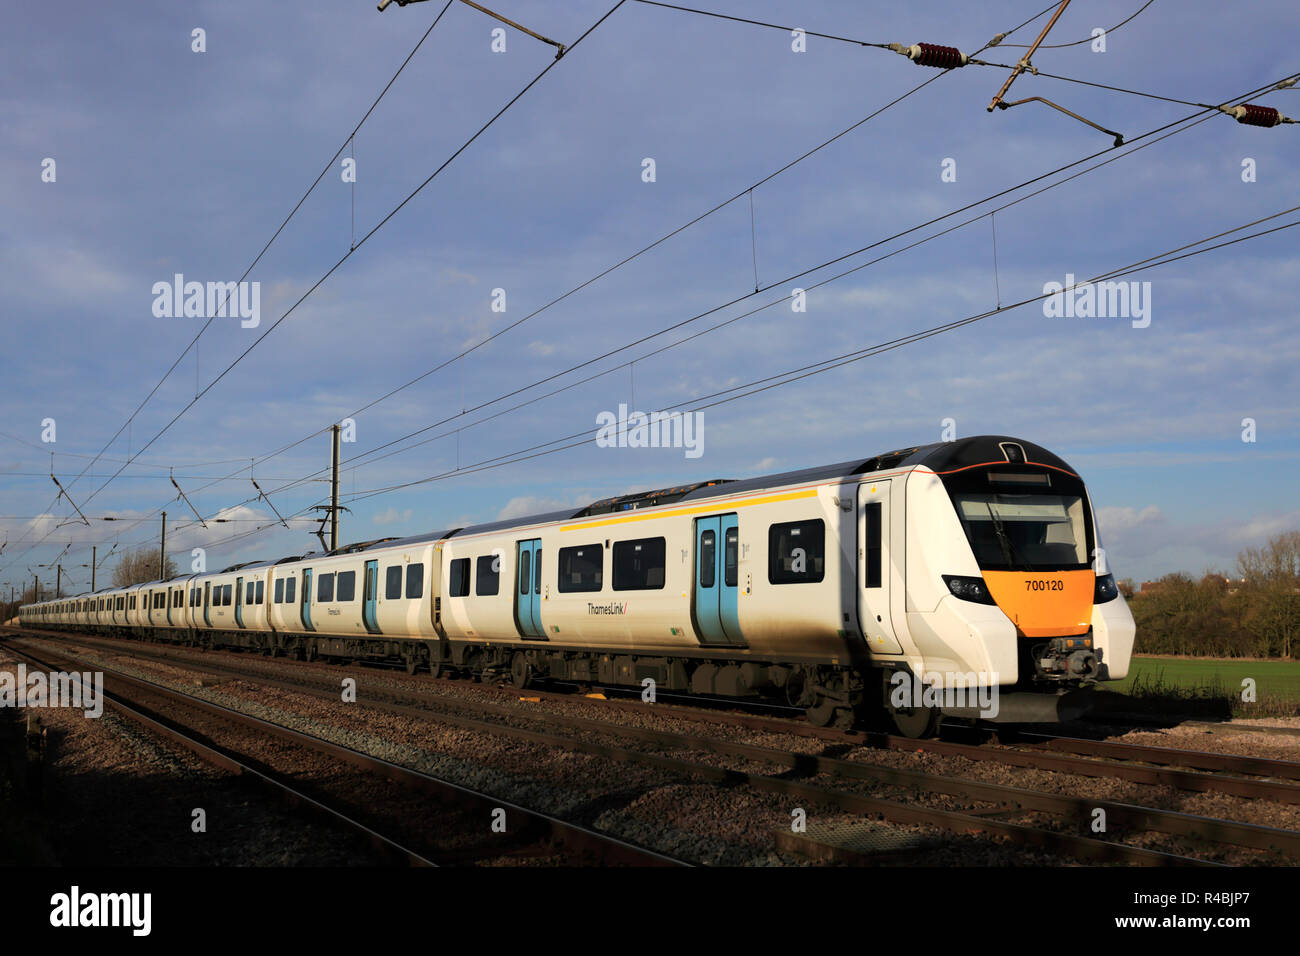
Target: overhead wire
<point x="258" y="258"/>
<point x="352" y="251"/>
<point x="696" y="220"/>
<point x="671" y="327"/>
<point x="1176" y="123"/>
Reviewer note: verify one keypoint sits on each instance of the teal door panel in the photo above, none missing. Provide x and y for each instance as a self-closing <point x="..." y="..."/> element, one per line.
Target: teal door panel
<point x="369" y="594"/>
<point x="528" y="597"/>
<point x="717" y="569"/>
<point x="306" y="600"/>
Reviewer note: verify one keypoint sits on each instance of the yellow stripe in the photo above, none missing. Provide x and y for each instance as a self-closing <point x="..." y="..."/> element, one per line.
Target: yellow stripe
<point x="712" y="508"/>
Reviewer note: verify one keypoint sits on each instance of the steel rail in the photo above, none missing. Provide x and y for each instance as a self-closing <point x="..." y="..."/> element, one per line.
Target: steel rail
<point x="1123" y="767"/>
<point x="1170" y="756"/>
<point x="226" y="761"/>
<point x="1139" y="818"/>
<point x="609" y="849"/>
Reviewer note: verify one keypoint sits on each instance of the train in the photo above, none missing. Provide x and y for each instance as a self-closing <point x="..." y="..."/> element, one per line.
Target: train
<point x="873" y="588"/>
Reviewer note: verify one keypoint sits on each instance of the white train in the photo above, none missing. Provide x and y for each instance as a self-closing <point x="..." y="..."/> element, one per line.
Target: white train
<point x="832" y="588"/>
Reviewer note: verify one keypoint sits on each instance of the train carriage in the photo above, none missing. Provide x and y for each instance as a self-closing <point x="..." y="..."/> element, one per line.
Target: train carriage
<point x="974" y="560"/>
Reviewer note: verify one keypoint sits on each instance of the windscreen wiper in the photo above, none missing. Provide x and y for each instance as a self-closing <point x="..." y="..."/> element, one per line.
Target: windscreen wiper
<point x="1004" y="539"/>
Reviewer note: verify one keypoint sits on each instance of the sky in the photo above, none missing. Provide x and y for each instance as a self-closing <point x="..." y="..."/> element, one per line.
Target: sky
<point x="166" y="159"/>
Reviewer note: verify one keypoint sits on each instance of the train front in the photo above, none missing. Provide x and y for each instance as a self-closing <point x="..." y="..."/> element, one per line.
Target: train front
<point x="1017" y="565"/>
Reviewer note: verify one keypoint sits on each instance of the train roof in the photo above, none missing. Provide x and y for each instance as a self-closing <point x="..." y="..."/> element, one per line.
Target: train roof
<point x="977" y="450"/>
<point x="938" y="456"/>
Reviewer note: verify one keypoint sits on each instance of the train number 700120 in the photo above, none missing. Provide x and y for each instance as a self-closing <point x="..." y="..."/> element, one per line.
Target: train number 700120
<point x="1053" y="585"/>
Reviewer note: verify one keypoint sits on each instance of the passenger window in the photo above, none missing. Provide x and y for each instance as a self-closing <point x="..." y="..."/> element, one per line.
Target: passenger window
<point x="279" y="591"/>
<point x="458" y="585"/>
<point x="260" y="591"/>
<point x="248" y="593"/>
<point x="228" y="594"/>
<point x="872" y="516"/>
<point x="347" y="585"/>
<point x="730" y="556"/>
<point x="796" y="552"/>
<point x="581" y="568"/>
<point x="639" y="565"/>
<point x="393" y="583"/>
<point x="708" y="559"/>
<point x="487" y="577"/>
<point x="414" y="581"/>
<point x="290" y="590"/>
<point x="325" y="588"/>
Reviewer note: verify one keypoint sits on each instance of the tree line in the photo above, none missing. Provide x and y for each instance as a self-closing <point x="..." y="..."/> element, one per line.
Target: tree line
<point x="134" y="567"/>
<point x="1253" y="613"/>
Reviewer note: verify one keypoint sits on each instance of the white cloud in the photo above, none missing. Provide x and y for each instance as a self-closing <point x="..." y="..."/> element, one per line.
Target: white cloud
<point x="525" y="505"/>
<point x="451" y="275"/>
<point x="1122" y="519"/>
<point x="392" y="516"/>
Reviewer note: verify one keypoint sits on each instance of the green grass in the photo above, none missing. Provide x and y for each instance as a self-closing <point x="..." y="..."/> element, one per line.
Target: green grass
<point x="1208" y="686"/>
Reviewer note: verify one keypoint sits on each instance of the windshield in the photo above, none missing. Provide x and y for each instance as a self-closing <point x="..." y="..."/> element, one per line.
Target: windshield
<point x="1013" y="528"/>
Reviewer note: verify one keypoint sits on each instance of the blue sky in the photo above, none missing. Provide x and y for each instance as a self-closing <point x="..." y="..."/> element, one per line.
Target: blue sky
<point x="171" y="161"/>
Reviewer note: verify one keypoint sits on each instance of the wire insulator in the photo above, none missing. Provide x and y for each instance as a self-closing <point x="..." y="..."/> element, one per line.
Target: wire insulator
<point x="1251" y="115"/>
<point x="931" y="54"/>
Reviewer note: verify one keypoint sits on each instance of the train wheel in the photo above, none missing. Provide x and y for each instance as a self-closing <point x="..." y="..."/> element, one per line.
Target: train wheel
<point x="796" y="689"/>
<point x="830" y="713"/>
<point x="916" y="722"/>
<point x="521" y="672"/>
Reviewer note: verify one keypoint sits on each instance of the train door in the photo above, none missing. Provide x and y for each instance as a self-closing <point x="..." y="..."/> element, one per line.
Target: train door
<point x="874" y="563"/>
<point x="717" y="561"/>
<point x="305" y="606"/>
<point x="207" y="603"/>
<point x="368" y="596"/>
<point x="528" y="589"/>
<point x="239" y="602"/>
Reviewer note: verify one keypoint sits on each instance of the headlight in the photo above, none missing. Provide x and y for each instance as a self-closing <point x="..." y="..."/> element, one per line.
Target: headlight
<point x="1105" y="590"/>
<point x="968" y="589"/>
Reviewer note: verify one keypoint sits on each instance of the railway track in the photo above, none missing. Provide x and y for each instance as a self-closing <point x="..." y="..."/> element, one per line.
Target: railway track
<point x="1213" y="727"/>
<point x="1019" y="747"/>
<point x="1051" y="752"/>
<point x="460" y="810"/>
<point x="1002" y="800"/>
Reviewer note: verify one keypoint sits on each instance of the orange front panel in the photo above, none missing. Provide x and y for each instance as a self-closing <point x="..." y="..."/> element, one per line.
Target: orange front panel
<point x="1044" y="603"/>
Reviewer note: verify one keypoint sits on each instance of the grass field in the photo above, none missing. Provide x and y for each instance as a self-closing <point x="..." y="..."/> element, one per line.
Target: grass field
<point x="1203" y="683"/>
